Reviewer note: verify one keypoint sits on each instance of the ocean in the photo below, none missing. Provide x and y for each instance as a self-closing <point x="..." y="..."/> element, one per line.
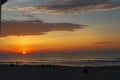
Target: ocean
<point x="64" y="59"/>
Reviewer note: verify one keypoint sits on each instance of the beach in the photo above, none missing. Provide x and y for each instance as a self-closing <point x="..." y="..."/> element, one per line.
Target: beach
<point x="55" y="72"/>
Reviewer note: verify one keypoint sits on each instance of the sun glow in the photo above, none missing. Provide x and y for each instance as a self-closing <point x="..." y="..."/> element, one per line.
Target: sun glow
<point x="24" y="52"/>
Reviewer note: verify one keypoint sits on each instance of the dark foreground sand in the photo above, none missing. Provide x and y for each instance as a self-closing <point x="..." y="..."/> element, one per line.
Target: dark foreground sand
<point x="8" y="72"/>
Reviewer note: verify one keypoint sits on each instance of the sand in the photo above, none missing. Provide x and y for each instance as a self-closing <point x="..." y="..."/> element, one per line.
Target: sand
<point x="26" y="72"/>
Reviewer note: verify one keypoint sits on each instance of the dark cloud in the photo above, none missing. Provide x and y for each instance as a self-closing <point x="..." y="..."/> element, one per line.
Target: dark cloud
<point x="106" y="42"/>
<point x="76" y="6"/>
<point x="70" y="6"/>
<point x="35" y="27"/>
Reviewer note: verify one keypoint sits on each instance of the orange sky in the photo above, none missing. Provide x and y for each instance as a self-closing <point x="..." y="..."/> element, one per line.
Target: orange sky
<point x="79" y="40"/>
<point x="32" y="26"/>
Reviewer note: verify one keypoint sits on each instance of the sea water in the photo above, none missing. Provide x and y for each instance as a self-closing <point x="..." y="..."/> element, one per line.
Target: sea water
<point x="66" y="59"/>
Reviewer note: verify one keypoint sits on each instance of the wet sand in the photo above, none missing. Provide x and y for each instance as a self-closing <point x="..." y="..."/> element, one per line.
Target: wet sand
<point x="54" y="72"/>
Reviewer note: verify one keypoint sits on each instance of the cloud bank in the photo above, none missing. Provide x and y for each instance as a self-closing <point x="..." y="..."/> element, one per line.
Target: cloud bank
<point x="77" y="6"/>
<point x="35" y="27"/>
<point x="106" y="42"/>
<point x="69" y="6"/>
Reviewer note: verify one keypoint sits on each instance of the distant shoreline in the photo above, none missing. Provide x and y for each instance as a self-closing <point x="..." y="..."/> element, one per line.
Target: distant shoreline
<point x="46" y="66"/>
<point x="79" y="63"/>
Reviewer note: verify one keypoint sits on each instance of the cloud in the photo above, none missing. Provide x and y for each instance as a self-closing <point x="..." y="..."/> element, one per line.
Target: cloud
<point x="77" y="6"/>
<point x="23" y="8"/>
<point x="35" y="27"/>
<point x="70" y="6"/>
<point x="106" y="42"/>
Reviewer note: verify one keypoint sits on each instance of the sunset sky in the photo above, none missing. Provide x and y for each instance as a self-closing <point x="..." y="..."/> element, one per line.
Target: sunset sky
<point x="37" y="26"/>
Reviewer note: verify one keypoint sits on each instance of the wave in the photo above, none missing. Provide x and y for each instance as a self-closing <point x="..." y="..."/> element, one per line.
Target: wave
<point x="67" y="62"/>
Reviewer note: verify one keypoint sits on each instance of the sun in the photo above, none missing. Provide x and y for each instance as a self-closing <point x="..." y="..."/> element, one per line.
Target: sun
<point x="24" y="52"/>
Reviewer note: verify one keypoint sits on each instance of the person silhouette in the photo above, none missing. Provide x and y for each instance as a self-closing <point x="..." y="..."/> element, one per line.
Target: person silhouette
<point x="12" y="65"/>
<point x="85" y="71"/>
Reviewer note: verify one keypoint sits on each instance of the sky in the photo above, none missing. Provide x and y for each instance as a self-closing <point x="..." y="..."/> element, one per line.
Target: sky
<point x="38" y="26"/>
